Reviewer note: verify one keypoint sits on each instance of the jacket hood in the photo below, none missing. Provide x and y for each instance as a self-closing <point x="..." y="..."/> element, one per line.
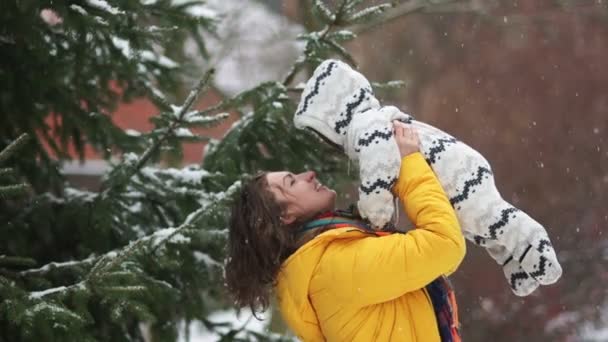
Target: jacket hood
<point x="331" y="97"/>
<point x="293" y="283"/>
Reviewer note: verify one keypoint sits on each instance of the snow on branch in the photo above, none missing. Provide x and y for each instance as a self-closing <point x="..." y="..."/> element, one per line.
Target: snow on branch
<point x="8" y="151"/>
<point x="58" y="265"/>
<point x="158" y="238"/>
<point x="104" y="6"/>
<point x="56" y="290"/>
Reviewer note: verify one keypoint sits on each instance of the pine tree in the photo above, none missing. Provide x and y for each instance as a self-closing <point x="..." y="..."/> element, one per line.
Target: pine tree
<point x="69" y="62"/>
<point x="149" y="246"/>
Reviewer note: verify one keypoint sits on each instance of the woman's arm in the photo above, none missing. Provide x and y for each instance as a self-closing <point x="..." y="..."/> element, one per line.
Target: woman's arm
<point x="377" y="269"/>
<point x="429" y="208"/>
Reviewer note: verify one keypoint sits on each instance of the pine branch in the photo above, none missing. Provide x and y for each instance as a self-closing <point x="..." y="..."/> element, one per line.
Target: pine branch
<point x="368" y="13"/>
<point x="14" y="190"/>
<point x="58" y="265"/>
<point x="10" y="261"/>
<point x="294" y="70"/>
<point x="343" y="16"/>
<point x="7" y="171"/>
<point x="56" y="290"/>
<point x="179" y="112"/>
<point x="157" y="238"/>
<point x="8" y="151"/>
<point x="323" y="11"/>
<point x="202" y="84"/>
<point x="412" y="6"/>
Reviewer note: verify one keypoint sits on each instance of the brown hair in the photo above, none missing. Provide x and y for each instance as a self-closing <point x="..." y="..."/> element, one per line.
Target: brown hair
<point x="258" y="244"/>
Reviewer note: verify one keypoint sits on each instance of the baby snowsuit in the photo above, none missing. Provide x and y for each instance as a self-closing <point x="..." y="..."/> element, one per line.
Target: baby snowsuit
<point x="338" y="103"/>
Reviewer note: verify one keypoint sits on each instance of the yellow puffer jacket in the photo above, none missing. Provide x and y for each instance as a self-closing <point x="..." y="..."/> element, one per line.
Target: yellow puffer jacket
<point x="349" y="285"/>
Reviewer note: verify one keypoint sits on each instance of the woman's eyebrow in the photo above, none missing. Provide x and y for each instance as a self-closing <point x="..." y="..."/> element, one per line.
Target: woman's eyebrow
<point x="284" y="178"/>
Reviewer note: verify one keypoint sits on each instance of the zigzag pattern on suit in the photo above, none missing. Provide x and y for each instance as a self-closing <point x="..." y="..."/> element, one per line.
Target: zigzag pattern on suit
<point x="350" y="107"/>
<point x="541" y="268"/>
<point x="378" y="184"/>
<point x="516" y="276"/>
<point x="542" y="244"/>
<point x="433" y="151"/>
<point x="315" y="91"/>
<point x="469" y="184"/>
<point x="377" y="134"/>
<point x="504" y="220"/>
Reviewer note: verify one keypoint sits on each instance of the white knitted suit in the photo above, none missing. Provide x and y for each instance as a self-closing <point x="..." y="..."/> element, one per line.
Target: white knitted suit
<point x="338" y="103"/>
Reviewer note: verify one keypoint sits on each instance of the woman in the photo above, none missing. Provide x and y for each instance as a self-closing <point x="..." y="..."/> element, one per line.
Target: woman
<point x="334" y="278"/>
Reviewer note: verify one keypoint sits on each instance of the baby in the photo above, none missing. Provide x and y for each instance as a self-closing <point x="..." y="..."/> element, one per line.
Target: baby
<point x="338" y="104"/>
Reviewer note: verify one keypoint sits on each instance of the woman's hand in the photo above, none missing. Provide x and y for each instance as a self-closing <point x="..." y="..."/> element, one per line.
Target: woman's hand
<point x="406" y="138"/>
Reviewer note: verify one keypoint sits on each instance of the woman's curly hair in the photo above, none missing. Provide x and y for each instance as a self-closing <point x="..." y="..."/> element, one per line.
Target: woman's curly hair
<point x="258" y="244"/>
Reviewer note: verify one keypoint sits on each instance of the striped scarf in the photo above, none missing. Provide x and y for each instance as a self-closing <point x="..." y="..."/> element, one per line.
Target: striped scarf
<point x="439" y="290"/>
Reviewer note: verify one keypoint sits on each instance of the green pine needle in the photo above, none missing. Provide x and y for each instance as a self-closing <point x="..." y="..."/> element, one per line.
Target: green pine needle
<point x="11" y="191"/>
<point x="13" y="147"/>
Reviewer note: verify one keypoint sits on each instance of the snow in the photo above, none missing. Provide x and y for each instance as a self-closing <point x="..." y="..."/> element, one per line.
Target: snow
<point x="160" y="59"/>
<point x="205" y="258"/>
<point x="196" y="117"/>
<point x="180" y="238"/>
<point x="156" y="91"/>
<point x="43" y="306"/>
<point x="176" y="110"/>
<point x="193" y="215"/>
<point x="183" y="132"/>
<point x="100" y="20"/>
<point x="561" y="320"/>
<point x="130" y="158"/>
<point x="125" y="47"/>
<point x="78" y="9"/>
<point x="50" y="265"/>
<point x="39" y="294"/>
<point x="135" y="208"/>
<point x="189" y="175"/>
<point x="595" y="335"/>
<point x="160" y="235"/>
<point x="86" y="196"/>
<point x="198" y="332"/>
<point x="132" y="132"/>
<point x="104" y="6"/>
<point x="89" y="167"/>
<point x="201" y="11"/>
<point x="596" y="332"/>
<point x="198" y="10"/>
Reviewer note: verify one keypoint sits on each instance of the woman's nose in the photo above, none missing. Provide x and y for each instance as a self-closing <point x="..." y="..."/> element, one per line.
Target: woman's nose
<point x="310" y="175"/>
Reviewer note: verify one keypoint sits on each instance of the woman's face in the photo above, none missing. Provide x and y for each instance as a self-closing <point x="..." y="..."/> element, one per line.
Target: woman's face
<point x="304" y="197"/>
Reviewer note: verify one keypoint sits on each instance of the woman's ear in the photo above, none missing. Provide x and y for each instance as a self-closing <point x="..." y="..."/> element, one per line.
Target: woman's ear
<point x="287" y="218"/>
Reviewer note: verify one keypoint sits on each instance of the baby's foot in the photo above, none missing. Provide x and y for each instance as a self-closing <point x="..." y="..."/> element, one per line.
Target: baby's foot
<point x="538" y="259"/>
<point x="521" y="283"/>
